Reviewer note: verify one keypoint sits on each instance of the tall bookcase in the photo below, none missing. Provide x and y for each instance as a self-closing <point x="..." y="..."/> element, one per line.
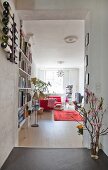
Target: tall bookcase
<point x="25" y="62"/>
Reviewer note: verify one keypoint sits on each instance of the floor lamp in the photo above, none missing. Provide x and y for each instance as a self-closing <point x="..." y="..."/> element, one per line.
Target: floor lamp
<point x="35" y="107"/>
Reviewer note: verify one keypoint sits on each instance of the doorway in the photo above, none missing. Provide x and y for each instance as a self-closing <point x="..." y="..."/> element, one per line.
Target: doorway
<point x="50" y="45"/>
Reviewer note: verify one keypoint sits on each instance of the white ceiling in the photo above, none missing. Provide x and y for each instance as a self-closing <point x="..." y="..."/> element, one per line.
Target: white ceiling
<point x="51" y="21"/>
<point x="49" y="46"/>
<point x="53" y="14"/>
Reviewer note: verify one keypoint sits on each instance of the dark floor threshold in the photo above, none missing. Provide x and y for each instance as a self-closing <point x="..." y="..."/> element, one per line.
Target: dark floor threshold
<point x="54" y="159"/>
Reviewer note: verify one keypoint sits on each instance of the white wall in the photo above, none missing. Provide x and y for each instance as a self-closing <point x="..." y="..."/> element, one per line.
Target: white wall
<point x="8" y="104"/>
<point x="96" y="24"/>
<point x="35" y="69"/>
<point x="41" y="74"/>
<point x="104" y="64"/>
<point x="81" y="80"/>
<point x="9" y="101"/>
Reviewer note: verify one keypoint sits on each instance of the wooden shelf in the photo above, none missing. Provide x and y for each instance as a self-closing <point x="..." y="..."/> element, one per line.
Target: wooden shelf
<point x="27" y="88"/>
<point x="24" y="56"/>
<point x="24" y="72"/>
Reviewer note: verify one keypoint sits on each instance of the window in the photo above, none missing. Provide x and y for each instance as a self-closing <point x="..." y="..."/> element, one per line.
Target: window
<point x="56" y="82"/>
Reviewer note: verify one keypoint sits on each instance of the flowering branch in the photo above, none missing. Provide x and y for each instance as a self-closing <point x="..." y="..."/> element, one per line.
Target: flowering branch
<point x="93" y="117"/>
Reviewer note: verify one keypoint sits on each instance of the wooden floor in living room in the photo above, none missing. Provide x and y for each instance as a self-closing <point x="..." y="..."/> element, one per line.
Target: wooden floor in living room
<point x="50" y="133"/>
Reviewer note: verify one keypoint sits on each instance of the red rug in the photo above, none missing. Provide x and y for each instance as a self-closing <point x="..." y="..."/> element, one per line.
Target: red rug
<point x="67" y="115"/>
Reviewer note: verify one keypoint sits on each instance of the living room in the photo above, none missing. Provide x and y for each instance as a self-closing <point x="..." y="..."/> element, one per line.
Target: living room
<point x="60" y="63"/>
<point x="58" y="46"/>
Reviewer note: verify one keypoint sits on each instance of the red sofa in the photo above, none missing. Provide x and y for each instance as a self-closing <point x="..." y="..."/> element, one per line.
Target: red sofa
<point x="44" y="102"/>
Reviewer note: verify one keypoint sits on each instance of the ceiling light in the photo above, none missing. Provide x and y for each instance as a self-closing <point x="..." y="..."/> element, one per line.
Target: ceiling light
<point x="60" y="62"/>
<point x="71" y="39"/>
<point x="60" y="72"/>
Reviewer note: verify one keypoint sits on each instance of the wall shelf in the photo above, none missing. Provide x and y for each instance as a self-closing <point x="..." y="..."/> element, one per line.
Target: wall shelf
<point x="27" y="88"/>
<point x="24" y="84"/>
<point x="24" y="72"/>
<point x="24" y="105"/>
<point x="24" y="56"/>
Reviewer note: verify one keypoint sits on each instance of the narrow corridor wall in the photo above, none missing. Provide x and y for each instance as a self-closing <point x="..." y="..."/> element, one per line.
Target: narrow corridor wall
<point x="8" y="103"/>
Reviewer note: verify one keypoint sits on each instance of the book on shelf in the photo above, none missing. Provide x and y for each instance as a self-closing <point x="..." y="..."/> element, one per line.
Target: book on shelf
<point x="22" y="82"/>
<point x="22" y="98"/>
<point x="28" y="97"/>
<point x="21" y="112"/>
<point x="29" y="70"/>
<point x="21" y="115"/>
<point x="26" y="48"/>
<point x="23" y="65"/>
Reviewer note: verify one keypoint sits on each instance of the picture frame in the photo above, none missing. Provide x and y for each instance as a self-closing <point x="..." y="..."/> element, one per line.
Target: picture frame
<point x="87" y="40"/>
<point x="86" y="61"/>
<point x="87" y="79"/>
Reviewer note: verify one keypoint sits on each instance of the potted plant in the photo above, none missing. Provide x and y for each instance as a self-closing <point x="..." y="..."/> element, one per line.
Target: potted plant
<point x="39" y="86"/>
<point x="80" y="129"/>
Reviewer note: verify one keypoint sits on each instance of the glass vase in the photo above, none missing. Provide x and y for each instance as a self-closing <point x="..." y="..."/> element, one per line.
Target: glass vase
<point x="94" y="150"/>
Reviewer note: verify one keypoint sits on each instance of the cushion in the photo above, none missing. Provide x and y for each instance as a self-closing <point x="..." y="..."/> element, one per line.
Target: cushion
<point x="58" y="107"/>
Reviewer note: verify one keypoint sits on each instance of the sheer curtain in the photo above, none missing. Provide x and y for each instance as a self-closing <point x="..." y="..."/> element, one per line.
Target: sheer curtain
<point x="56" y="82"/>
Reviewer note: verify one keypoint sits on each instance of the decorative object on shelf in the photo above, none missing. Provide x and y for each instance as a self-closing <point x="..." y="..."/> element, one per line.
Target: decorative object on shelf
<point x="93" y="121"/>
<point x="87" y="39"/>
<point x="80" y="129"/>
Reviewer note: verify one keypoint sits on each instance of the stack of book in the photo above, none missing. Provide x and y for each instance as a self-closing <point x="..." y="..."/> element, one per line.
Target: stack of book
<point x="21" y="99"/>
<point x="21" y="115"/>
